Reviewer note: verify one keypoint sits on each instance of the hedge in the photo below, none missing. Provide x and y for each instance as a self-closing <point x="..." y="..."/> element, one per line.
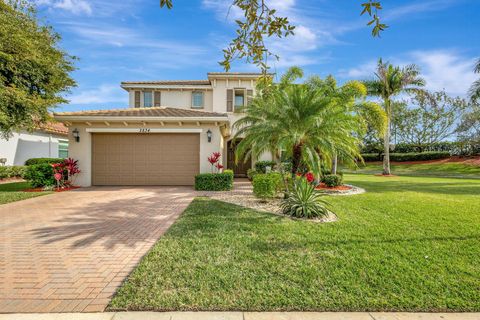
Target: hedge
<point x="261" y="166"/>
<point x="34" y="161"/>
<point x="455" y="148"/>
<point x="411" y="156"/>
<point x="40" y="175"/>
<point x="214" y="181"/>
<point x="12" y="172"/>
<point x="267" y="185"/>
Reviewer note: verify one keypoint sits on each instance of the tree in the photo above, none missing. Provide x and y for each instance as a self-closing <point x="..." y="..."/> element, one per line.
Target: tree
<point x="475" y="88"/>
<point x="469" y="127"/>
<point x="34" y="71"/>
<point x="390" y="81"/>
<point x="429" y="118"/>
<point x="261" y="21"/>
<point x="309" y="122"/>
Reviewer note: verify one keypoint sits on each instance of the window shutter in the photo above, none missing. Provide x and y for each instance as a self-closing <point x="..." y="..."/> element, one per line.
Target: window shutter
<point x="137" y="99"/>
<point x="157" y="99"/>
<point x="229" y="100"/>
<point x="249" y="96"/>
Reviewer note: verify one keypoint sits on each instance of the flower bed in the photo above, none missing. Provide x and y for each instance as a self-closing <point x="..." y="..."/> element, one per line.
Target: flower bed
<point x="54" y="190"/>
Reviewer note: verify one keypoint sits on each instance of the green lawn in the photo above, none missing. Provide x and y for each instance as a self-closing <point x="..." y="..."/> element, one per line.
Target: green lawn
<point x="408" y="244"/>
<point x="10" y="192"/>
<point x="451" y="170"/>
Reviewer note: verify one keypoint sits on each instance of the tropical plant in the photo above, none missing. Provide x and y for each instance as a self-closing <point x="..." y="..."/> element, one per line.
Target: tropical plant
<point x="214" y="161"/>
<point x="304" y="202"/>
<point x="309" y="123"/>
<point x="390" y="81"/>
<point x="475" y="88"/>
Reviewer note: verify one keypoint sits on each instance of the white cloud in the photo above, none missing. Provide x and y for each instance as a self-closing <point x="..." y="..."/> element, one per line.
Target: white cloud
<point x="442" y="70"/>
<point x="445" y="70"/>
<point x="76" y="7"/>
<point x="416" y="8"/>
<point x="104" y="94"/>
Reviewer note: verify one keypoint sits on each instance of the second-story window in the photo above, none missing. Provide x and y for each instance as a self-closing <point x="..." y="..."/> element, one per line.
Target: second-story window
<point x="239" y="99"/>
<point x="197" y="100"/>
<point x="147" y="99"/>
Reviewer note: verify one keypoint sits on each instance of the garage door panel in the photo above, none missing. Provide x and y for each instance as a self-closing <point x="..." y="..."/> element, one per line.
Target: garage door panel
<point x="145" y="159"/>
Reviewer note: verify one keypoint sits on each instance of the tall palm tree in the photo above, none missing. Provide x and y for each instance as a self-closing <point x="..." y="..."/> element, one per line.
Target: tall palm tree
<point x="475" y="88"/>
<point x="310" y="122"/>
<point x="389" y="82"/>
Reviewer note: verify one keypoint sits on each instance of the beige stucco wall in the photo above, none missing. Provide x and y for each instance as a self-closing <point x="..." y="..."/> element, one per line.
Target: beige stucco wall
<point x="176" y="99"/>
<point x="82" y="151"/>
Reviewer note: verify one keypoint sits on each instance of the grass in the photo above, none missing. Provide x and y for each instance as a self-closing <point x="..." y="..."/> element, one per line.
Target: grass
<point x="10" y="192"/>
<point x="408" y="244"/>
<point x="449" y="169"/>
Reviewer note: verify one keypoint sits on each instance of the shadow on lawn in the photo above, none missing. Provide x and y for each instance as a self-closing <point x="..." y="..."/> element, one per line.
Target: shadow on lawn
<point x="447" y="188"/>
<point x="127" y="221"/>
<point x="265" y="246"/>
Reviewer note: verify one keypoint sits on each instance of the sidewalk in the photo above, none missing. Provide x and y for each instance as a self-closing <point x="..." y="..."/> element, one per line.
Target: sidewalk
<point x="243" y="316"/>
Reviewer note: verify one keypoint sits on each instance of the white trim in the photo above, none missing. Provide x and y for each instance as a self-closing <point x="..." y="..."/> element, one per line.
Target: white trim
<point x="143" y="130"/>
<point x="68" y="119"/>
<point x="166" y="86"/>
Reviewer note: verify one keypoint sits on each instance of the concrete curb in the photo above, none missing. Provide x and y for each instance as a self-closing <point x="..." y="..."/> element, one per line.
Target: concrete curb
<point x="242" y="316"/>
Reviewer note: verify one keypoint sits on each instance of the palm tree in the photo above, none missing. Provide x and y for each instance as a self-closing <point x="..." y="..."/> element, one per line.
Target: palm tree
<point x="310" y="122"/>
<point x="389" y="82"/>
<point x="475" y="88"/>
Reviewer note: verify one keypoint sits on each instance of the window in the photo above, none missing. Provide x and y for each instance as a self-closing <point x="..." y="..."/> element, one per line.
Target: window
<point x="197" y="100"/>
<point x="147" y="99"/>
<point x="239" y="99"/>
<point x="63" y="149"/>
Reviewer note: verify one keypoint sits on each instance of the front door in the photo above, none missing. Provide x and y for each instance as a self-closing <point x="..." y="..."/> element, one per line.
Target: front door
<point x="240" y="168"/>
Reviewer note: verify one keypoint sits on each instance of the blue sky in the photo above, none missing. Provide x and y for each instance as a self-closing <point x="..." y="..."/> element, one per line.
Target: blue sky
<point x="136" y="40"/>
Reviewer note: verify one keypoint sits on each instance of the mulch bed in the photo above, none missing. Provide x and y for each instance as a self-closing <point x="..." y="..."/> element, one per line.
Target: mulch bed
<point x="54" y="190"/>
<point x="473" y="160"/>
<point x="323" y="186"/>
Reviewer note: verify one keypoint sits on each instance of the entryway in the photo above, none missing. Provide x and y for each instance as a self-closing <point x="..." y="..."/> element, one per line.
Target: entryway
<point x="240" y="168"/>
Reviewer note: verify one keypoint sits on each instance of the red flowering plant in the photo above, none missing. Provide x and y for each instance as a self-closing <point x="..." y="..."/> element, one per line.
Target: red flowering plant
<point x="214" y="161"/>
<point x="65" y="172"/>
<point x="58" y="174"/>
<point x="72" y="169"/>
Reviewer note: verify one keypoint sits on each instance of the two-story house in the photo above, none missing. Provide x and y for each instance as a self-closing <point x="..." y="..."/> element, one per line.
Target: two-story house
<point x="165" y="135"/>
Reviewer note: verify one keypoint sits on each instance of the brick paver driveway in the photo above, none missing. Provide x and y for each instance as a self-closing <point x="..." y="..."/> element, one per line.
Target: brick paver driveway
<point x="70" y="251"/>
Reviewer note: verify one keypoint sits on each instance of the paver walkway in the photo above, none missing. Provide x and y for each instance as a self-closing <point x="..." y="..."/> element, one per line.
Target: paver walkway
<point x="70" y="251"/>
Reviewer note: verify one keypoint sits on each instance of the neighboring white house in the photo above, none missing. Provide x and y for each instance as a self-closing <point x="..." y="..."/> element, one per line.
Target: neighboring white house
<point x="51" y="141"/>
<point x="165" y="135"/>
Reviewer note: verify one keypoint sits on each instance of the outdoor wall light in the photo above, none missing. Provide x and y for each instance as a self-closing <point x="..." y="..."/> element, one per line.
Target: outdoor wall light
<point x="76" y="135"/>
<point x="209" y="135"/>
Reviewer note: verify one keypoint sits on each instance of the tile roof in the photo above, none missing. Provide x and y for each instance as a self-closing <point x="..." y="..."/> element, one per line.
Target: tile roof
<point x="171" y="82"/>
<point x="144" y="112"/>
<point x="54" y="127"/>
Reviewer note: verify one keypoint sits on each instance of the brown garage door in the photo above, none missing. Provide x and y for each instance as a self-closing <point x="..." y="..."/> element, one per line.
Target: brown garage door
<point x="145" y="159"/>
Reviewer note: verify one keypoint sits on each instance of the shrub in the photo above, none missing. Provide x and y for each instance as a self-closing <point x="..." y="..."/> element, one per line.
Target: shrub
<point x="214" y="181"/>
<point x="40" y="175"/>
<point x="261" y="166"/>
<point x="304" y="202"/>
<point x="265" y="185"/>
<point x="370" y="157"/>
<point x="411" y="156"/>
<point x="12" y="172"/>
<point x="422" y="156"/>
<point x="33" y="161"/>
<point x="332" y="180"/>
<point x="251" y="173"/>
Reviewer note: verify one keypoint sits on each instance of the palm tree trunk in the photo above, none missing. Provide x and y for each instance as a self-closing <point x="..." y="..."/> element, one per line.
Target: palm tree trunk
<point x="386" y="141"/>
<point x="296" y="158"/>
<point x="334" y="164"/>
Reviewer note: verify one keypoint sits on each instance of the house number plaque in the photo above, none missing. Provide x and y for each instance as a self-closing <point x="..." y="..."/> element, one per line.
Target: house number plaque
<point x="144" y="130"/>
